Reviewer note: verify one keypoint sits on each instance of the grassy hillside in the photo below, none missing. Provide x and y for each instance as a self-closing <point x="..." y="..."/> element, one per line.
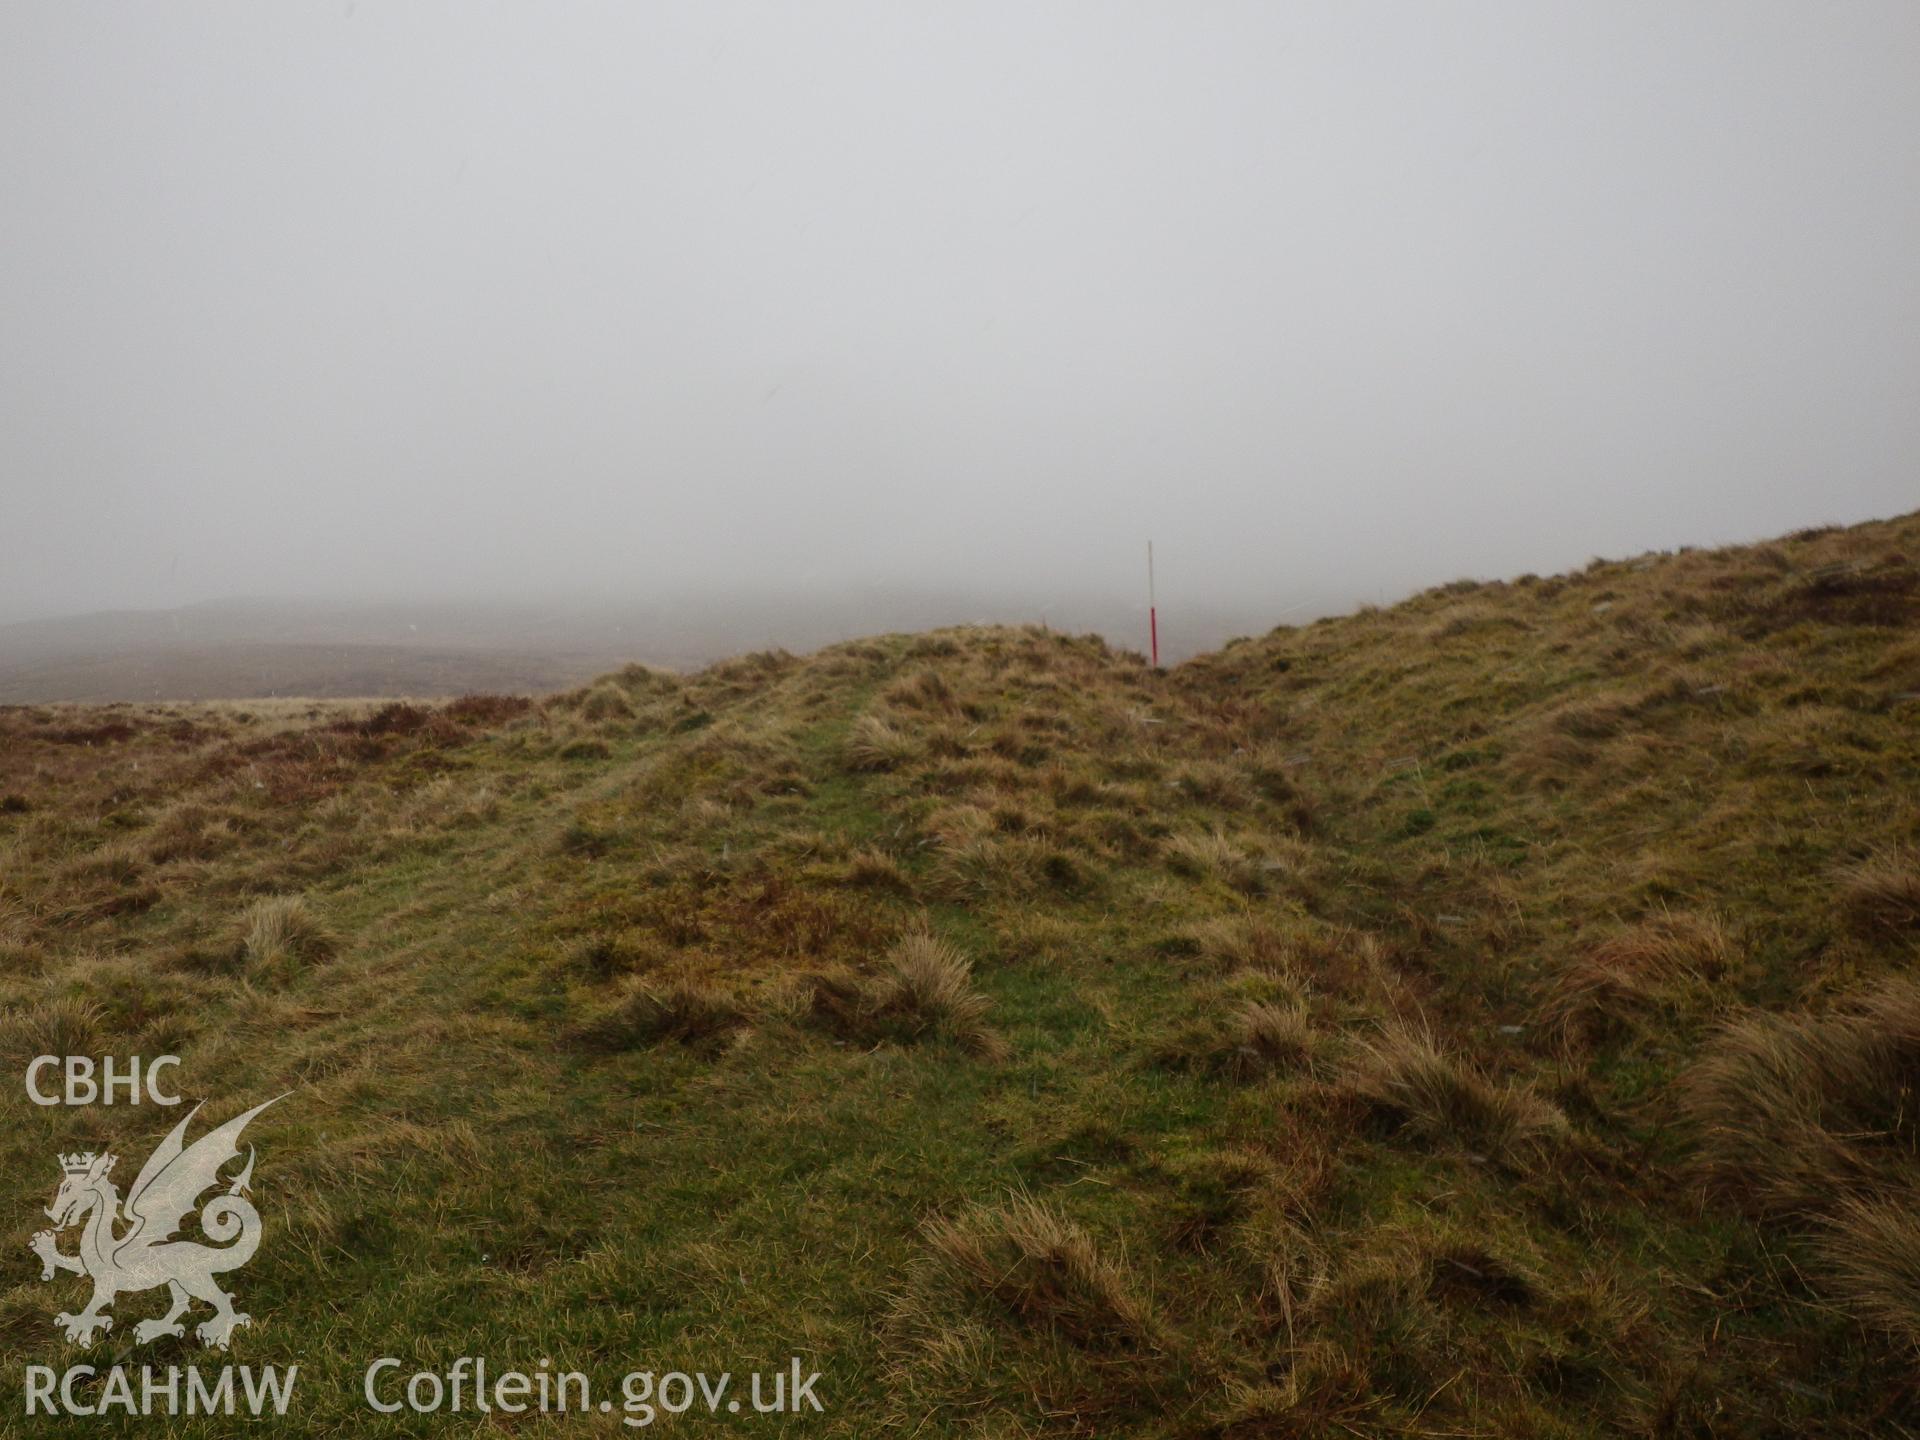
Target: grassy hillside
<point x="1487" y="1016"/>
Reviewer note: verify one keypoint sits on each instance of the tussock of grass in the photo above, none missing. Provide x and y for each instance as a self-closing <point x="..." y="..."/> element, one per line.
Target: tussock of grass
<point x="1332" y="957"/>
<point x="1252" y="1039"/>
<point x="1269" y="1038"/>
<point x="1883" y="892"/>
<point x="683" y="1012"/>
<point x="1214" y="856"/>
<point x="1007" y="867"/>
<point x="926" y="690"/>
<point x="605" y="702"/>
<point x="1270" y="769"/>
<point x="1320" y="1391"/>
<point x="874" y="869"/>
<point x="118" y="863"/>
<point x="1793" y="1112"/>
<point x="608" y="956"/>
<point x="1670" y="958"/>
<point x="924" y="991"/>
<point x="448" y="802"/>
<point x="1215" y="784"/>
<point x="22" y="958"/>
<point x="1869" y="1253"/>
<point x="17" y="919"/>
<point x="833" y="999"/>
<point x="646" y="679"/>
<point x="1442" y="1098"/>
<point x="1402" y="1309"/>
<point x="191" y="831"/>
<point x="874" y="744"/>
<point x="1241" y="942"/>
<point x="931" y="983"/>
<point x="59" y="1026"/>
<point x="1046" y="1271"/>
<point x="282" y="933"/>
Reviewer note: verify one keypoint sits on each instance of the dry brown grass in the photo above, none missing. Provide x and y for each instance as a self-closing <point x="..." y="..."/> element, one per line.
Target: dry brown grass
<point x="1215" y="856"/>
<point x="1673" y="958"/>
<point x="1246" y="1039"/>
<point x="926" y="690"/>
<point x="192" y="830"/>
<point x="1883" y="891"/>
<point x="685" y="1012"/>
<point x="1424" y="1313"/>
<point x="927" y="990"/>
<point x="18" y="921"/>
<point x="874" y="869"/>
<point x="874" y="744"/>
<point x="1794" y="1112"/>
<point x="1869" y="1251"/>
<point x="1270" y="769"/>
<point x="1217" y="785"/>
<point x="1442" y="1098"/>
<point x="992" y="866"/>
<point x="1045" y="1270"/>
<point x="1244" y="942"/>
<point x="59" y="1026"/>
<point x="116" y="863"/>
<point x="1272" y="1038"/>
<point x="281" y="933"/>
<point x="1332" y="957"/>
<point x="923" y="991"/>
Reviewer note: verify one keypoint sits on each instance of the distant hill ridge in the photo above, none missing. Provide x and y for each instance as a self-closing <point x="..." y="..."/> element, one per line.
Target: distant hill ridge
<point x="260" y="648"/>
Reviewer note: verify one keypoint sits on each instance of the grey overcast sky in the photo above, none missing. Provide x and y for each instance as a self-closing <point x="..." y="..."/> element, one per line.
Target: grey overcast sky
<point x="441" y="299"/>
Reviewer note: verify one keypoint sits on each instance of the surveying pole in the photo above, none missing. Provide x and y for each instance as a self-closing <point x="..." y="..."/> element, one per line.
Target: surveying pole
<point x="1153" y="611"/>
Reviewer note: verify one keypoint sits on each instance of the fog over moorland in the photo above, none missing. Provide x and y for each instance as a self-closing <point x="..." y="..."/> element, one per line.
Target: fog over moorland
<point x="588" y="305"/>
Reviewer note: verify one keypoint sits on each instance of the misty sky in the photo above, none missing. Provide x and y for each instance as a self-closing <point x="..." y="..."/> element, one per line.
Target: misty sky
<point x="410" y="299"/>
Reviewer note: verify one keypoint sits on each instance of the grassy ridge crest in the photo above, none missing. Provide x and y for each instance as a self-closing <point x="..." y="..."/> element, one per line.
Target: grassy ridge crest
<point x="1487" y="1015"/>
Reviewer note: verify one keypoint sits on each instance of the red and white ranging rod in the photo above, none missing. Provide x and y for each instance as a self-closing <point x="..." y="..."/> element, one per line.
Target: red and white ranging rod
<point x="1153" y="611"/>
